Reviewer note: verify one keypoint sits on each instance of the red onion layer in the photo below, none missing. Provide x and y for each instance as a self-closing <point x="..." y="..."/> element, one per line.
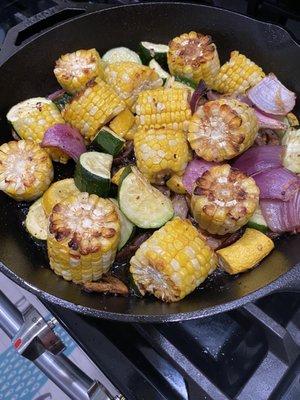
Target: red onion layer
<point x="194" y="170"/>
<point x="269" y="121"/>
<point x="198" y="94"/>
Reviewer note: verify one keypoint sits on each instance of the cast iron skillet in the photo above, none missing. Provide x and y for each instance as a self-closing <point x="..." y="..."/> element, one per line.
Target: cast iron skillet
<point x="26" y="71"/>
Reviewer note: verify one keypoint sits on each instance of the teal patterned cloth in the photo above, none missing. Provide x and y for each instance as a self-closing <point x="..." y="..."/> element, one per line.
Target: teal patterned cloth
<point x="20" y="379"/>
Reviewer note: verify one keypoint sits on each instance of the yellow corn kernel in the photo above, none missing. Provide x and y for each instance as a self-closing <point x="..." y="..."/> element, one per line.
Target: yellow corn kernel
<point x="31" y="118"/>
<point x="26" y="170"/>
<point x="237" y="75"/>
<point x="74" y="70"/>
<point x="163" y="108"/>
<point x="172" y="262"/>
<point x="82" y="247"/>
<point x="245" y="253"/>
<point x="194" y="56"/>
<point x="292" y="119"/>
<point x="123" y="122"/>
<point x="222" y="129"/>
<point x="160" y="153"/>
<point x="224" y="200"/>
<point x="92" y="108"/>
<point x="175" y="184"/>
<point x="130" y="78"/>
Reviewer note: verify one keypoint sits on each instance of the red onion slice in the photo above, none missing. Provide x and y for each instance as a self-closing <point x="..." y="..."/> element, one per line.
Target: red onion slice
<point x="55" y="95"/>
<point x="194" y="170"/>
<point x="272" y="97"/>
<point x="65" y="138"/>
<point x="277" y="183"/>
<point x="269" y="121"/>
<point x="258" y="159"/>
<point x="198" y="94"/>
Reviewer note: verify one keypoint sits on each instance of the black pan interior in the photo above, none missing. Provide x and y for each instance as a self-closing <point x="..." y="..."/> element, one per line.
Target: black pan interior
<point x="28" y="73"/>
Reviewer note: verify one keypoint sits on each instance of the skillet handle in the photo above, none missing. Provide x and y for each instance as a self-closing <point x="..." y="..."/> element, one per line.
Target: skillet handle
<point x="289" y="282"/>
<point x="29" y="28"/>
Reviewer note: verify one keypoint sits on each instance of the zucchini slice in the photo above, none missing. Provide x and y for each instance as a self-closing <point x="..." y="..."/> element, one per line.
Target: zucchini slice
<point x="92" y="173"/>
<point x="121" y="54"/>
<point x="36" y="221"/>
<point x="158" y="69"/>
<point x="62" y="101"/>
<point x="257" y="221"/>
<point x="108" y="141"/>
<point x="142" y="204"/>
<point x="149" y="50"/>
<point x="127" y="227"/>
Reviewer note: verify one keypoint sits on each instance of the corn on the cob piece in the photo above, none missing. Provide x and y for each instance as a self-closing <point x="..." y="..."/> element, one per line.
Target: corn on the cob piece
<point x="83" y="236"/>
<point x="130" y="78"/>
<point x="26" y="170"/>
<point x="222" y="129"/>
<point x="160" y="152"/>
<point x="237" y="75"/>
<point x="175" y="184"/>
<point x="92" y="108"/>
<point x="246" y="252"/>
<point x="172" y="262"/>
<point x="31" y="118"/>
<point x="163" y="108"/>
<point x="224" y="200"/>
<point x="74" y="70"/>
<point x="193" y="55"/>
<point x="123" y="122"/>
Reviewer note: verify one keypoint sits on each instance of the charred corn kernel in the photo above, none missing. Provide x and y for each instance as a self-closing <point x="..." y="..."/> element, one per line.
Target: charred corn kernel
<point x="92" y="108"/>
<point x="172" y="262"/>
<point x="237" y="75"/>
<point x="246" y="252"/>
<point x="116" y="177"/>
<point x="123" y="122"/>
<point x="163" y="108"/>
<point x="292" y="119"/>
<point x="31" y="118"/>
<point x="291" y="155"/>
<point x="193" y="55"/>
<point x="130" y="78"/>
<point x="26" y="170"/>
<point x="160" y="153"/>
<point x="57" y="192"/>
<point x="224" y="199"/>
<point x="175" y="184"/>
<point x="83" y="236"/>
<point x="74" y="70"/>
<point x="221" y="129"/>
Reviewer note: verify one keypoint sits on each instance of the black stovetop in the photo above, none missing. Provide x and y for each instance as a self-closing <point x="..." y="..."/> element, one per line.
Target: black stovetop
<point x="248" y="354"/>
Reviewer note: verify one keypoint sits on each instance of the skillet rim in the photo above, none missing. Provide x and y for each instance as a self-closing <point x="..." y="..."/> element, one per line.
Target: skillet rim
<point x="281" y="283"/>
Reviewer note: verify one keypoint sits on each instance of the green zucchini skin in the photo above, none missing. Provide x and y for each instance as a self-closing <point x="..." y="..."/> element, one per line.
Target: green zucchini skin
<point x="146" y="56"/>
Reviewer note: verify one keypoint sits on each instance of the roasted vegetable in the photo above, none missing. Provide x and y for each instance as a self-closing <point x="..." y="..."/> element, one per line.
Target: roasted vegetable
<point x="108" y="141"/>
<point x="158" y="52"/>
<point x="129" y="79"/>
<point x="31" y="118"/>
<point x="81" y="245"/>
<point x="107" y="284"/>
<point x="224" y="199"/>
<point x="172" y="262"/>
<point x="26" y="170"/>
<point x="92" y="108"/>
<point x="175" y="184"/>
<point x="237" y="75"/>
<point x="74" y="70"/>
<point x="193" y="55"/>
<point x="121" y="54"/>
<point x="160" y="153"/>
<point x="291" y="156"/>
<point x="222" y="129"/>
<point x="36" y="221"/>
<point x="122" y="123"/>
<point x="57" y="192"/>
<point x="163" y="108"/>
<point x="246" y="252"/>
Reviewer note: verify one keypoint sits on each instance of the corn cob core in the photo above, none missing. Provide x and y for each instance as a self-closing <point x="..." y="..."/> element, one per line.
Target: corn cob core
<point x="92" y="108"/>
<point x="160" y="152"/>
<point x="31" y="118"/>
<point x="163" y="108"/>
<point x="224" y="199"/>
<point x="26" y="170"/>
<point x="130" y="78"/>
<point x="83" y="237"/>
<point x="237" y="75"/>
<point x="246" y="252"/>
<point x="74" y="70"/>
<point x="172" y="262"/>
<point x="193" y="55"/>
<point x="222" y="129"/>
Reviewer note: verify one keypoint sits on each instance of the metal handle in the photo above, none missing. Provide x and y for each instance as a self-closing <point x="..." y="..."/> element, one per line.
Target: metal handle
<point x="29" y="28"/>
<point x="289" y="281"/>
<point x="66" y="375"/>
